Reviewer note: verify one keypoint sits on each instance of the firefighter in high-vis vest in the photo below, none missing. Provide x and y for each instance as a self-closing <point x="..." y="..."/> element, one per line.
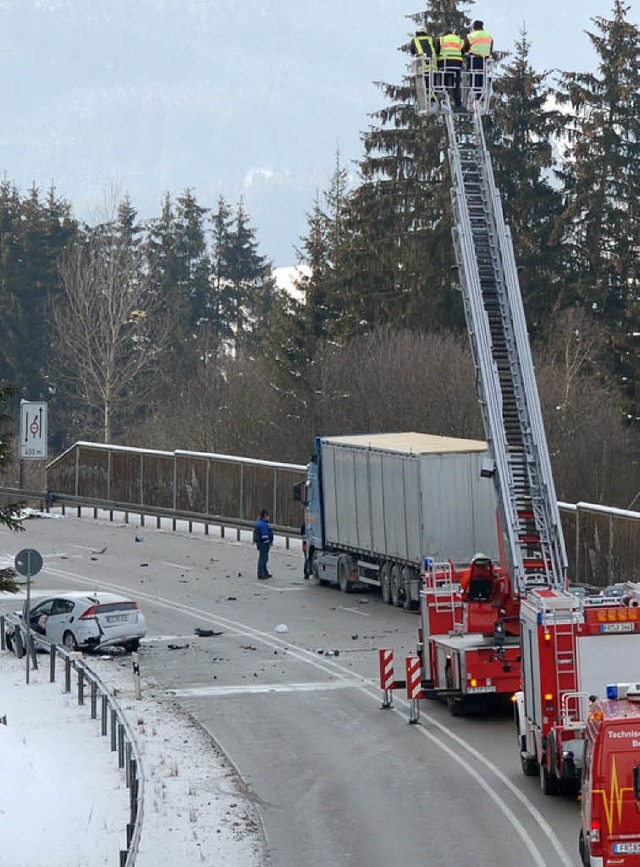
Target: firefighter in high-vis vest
<point x="422" y="46"/>
<point x="478" y="48"/>
<point x="449" y="52"/>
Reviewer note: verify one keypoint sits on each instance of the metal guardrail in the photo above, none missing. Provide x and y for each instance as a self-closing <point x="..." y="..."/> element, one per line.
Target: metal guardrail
<point x="113" y="722"/>
<point x="70" y="503"/>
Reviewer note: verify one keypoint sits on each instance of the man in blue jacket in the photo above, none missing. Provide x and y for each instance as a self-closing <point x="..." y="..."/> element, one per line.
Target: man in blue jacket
<point x="263" y="537"/>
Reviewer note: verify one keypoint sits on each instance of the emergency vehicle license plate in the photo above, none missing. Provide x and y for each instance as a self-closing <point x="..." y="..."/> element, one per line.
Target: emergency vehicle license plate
<point x="618" y="627"/>
<point x="626" y="848"/>
<point x="474" y="689"/>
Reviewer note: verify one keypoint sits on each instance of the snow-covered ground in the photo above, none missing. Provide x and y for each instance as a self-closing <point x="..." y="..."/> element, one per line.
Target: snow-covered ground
<point x="64" y="802"/>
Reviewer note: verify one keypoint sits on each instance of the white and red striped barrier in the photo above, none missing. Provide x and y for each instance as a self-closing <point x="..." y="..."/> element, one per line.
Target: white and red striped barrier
<point x="387" y="676"/>
<point x="415" y="692"/>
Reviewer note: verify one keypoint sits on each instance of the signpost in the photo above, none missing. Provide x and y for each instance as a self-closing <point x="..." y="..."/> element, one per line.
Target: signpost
<point x="28" y="562"/>
<point x="33" y="429"/>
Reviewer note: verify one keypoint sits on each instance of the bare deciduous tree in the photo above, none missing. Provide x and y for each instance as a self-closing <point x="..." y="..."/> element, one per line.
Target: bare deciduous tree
<point x="110" y="331"/>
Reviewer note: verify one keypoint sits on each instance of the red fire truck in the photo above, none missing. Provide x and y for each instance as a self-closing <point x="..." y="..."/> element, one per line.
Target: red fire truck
<point x="470" y="641"/>
<point x="469" y="635"/>
<point x="572" y="647"/>
<point x="610" y="808"/>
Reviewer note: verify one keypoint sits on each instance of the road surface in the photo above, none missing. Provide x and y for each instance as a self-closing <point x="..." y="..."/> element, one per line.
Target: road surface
<point x="337" y="780"/>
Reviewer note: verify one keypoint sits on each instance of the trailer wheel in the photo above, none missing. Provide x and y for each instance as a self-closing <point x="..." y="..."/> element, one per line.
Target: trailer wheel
<point x="344" y="573"/>
<point x="397" y="596"/>
<point x="385" y="583"/>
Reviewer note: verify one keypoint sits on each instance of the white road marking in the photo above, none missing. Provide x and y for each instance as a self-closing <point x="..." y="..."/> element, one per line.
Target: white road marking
<point x="204" y="691"/>
<point x="372" y="690"/>
<point x="354" y="611"/>
<point x="175" y="565"/>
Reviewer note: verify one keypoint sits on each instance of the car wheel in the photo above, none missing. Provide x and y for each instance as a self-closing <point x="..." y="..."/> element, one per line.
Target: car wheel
<point x="69" y="641"/>
<point x="132" y="645"/>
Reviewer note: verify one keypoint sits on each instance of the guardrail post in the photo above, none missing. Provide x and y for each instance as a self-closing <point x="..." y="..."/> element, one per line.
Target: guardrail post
<point x="3" y="640"/>
<point x="103" y="715"/>
<point x="52" y="663"/>
<point x="127" y="766"/>
<point x="120" y="745"/>
<point x="80" y="685"/>
<point x="94" y="699"/>
<point x="114" y="723"/>
<point x="67" y="674"/>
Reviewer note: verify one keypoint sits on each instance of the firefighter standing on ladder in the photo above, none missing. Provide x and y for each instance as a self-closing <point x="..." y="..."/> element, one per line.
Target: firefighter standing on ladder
<point x="422" y="46"/>
<point x="449" y="52"/>
<point x="477" y="48"/>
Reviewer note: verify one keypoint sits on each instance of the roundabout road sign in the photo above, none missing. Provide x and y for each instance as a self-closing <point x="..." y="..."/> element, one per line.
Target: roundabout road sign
<point x="28" y="562"/>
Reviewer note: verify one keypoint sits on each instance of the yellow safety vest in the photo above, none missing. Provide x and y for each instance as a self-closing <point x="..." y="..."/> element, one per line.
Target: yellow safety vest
<point x="480" y="43"/>
<point x="450" y="47"/>
<point x="420" y="43"/>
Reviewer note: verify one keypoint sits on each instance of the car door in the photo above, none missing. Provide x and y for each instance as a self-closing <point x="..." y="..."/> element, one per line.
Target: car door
<point x="39" y="615"/>
<point x="59" y="619"/>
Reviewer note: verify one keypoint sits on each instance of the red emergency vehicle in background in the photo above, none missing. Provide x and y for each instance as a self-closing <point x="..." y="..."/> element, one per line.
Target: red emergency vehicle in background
<point x="469" y="635"/>
<point x="610" y="808"/>
<point x="572" y="647"/>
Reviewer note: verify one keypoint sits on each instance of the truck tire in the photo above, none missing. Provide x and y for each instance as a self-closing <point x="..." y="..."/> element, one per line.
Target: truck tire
<point x="548" y="781"/>
<point x="385" y="583"/>
<point x="409" y="578"/>
<point x="584" y="851"/>
<point x="315" y="571"/>
<point x="397" y="596"/>
<point x="344" y="574"/>
<point x="529" y="765"/>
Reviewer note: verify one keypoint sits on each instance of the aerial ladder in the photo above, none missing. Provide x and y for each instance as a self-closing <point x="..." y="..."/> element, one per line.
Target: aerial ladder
<point x="470" y="646"/>
<point x="495" y="318"/>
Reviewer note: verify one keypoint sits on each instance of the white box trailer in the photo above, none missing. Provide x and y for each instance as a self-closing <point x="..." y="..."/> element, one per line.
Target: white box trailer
<point x="378" y="504"/>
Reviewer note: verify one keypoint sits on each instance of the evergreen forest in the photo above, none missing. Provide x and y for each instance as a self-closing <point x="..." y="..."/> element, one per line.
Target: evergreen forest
<point x="171" y="332"/>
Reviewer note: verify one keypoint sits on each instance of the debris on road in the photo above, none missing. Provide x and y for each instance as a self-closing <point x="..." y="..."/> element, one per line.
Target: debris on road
<point x="206" y="633"/>
<point x="282" y="627"/>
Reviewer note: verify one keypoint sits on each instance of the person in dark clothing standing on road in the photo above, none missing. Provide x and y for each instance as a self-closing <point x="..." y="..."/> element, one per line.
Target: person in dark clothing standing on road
<point x="263" y="537"/>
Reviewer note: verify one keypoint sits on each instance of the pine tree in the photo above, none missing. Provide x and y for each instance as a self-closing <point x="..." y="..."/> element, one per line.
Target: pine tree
<point x="520" y="142"/>
<point x="251" y="287"/>
<point x="322" y="253"/>
<point x="398" y="257"/>
<point x="599" y="226"/>
<point x="9" y="512"/>
<point x="32" y="236"/>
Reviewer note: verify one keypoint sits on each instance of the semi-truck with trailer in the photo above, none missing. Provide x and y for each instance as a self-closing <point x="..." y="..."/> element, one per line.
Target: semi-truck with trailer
<point x="376" y="503"/>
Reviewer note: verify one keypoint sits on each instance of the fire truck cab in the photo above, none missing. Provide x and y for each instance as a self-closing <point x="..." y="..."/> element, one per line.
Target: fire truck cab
<point x="610" y="807"/>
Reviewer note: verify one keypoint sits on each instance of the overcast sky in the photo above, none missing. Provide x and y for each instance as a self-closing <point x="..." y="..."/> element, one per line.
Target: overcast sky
<point x="243" y="98"/>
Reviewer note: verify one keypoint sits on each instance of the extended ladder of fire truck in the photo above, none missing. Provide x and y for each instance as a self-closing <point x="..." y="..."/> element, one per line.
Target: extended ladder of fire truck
<point x="496" y="323"/>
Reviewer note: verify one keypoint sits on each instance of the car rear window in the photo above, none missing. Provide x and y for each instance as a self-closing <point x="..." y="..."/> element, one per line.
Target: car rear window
<point x="105" y="607"/>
